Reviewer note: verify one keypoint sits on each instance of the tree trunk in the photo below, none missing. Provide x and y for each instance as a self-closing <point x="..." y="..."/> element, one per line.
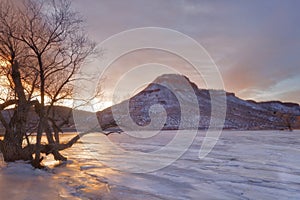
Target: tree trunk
<point x="13" y="151"/>
<point x="11" y="146"/>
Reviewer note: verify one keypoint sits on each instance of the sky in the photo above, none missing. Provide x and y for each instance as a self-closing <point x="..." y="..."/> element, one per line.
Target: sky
<point x="255" y="44"/>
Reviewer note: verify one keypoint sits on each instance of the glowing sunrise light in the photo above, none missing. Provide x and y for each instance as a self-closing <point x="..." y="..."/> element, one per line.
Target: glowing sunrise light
<point x="3" y="63"/>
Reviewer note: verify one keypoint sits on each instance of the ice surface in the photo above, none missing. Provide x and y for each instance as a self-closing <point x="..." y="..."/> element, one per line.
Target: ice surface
<point x="20" y="181"/>
<point x="243" y="165"/>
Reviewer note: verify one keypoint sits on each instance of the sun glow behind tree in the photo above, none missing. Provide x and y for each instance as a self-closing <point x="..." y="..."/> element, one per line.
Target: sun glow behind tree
<point x="45" y="51"/>
<point x="3" y="63"/>
<point x="4" y="83"/>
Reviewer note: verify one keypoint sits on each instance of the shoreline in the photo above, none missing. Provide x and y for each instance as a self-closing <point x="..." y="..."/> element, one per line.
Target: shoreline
<point x="119" y="131"/>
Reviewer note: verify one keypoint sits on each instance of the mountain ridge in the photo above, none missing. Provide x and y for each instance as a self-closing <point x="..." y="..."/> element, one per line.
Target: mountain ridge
<point x="240" y="114"/>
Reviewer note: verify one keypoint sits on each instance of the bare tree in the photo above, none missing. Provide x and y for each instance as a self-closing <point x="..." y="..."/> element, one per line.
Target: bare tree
<point x="43" y="44"/>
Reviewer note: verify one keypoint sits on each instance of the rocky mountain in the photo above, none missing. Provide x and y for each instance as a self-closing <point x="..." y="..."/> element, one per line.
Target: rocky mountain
<point x="170" y="102"/>
<point x="149" y="107"/>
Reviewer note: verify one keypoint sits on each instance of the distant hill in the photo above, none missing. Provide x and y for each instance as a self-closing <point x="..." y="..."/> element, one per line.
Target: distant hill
<point x="59" y="113"/>
<point x="240" y="114"/>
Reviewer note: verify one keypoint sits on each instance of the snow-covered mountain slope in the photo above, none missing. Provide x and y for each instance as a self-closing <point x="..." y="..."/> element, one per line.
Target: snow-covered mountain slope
<point x="174" y="95"/>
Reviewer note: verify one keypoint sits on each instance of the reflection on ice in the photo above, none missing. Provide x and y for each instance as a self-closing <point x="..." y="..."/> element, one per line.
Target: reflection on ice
<point x="243" y="165"/>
